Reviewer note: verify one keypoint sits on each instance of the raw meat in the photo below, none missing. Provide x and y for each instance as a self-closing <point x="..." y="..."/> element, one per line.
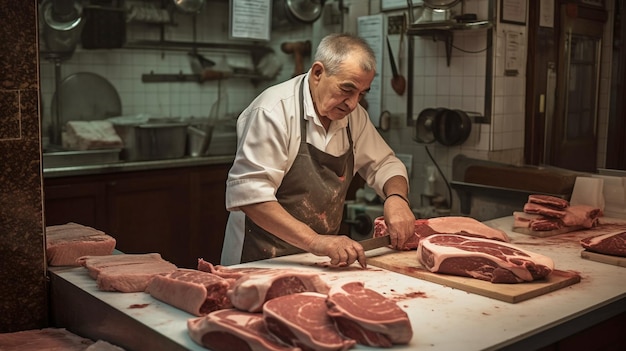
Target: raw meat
<point x="226" y="272"/>
<point x="65" y="243"/>
<point x="544" y="210"/>
<point x="302" y="320"/>
<point x="367" y="316"/>
<point x="535" y="221"/>
<point x="196" y="292"/>
<point x="251" y="291"/>
<point x="51" y="339"/>
<point x="125" y="272"/>
<point x="459" y="225"/>
<point x="547" y="200"/>
<point x="608" y="244"/>
<point x="483" y="259"/>
<point x="581" y="215"/>
<point x="230" y="329"/>
<point x="91" y="135"/>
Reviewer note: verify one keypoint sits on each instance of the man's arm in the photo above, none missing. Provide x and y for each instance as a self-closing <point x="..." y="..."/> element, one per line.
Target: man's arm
<point x="399" y="217"/>
<point x="272" y="217"/>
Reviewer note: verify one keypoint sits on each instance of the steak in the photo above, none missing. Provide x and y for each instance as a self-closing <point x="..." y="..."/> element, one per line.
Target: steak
<point x="125" y="272"/>
<point x="482" y="259"/>
<point x="251" y="291"/>
<point x="535" y="221"/>
<point x="544" y="210"/>
<point x="547" y="200"/>
<point x="230" y="329"/>
<point x="460" y="225"/>
<point x="608" y="244"/>
<point x="368" y="317"/>
<point x="190" y="290"/>
<point x="226" y="272"/>
<point x="581" y="215"/>
<point x="302" y="320"/>
<point x="65" y="243"/>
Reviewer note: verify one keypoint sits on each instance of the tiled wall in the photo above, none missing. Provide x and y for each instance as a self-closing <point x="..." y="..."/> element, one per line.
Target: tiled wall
<point x="23" y="303"/>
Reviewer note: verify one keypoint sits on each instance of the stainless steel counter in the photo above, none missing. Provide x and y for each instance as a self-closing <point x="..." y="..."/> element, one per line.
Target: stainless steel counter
<point x="128" y="166"/>
<point x="443" y="318"/>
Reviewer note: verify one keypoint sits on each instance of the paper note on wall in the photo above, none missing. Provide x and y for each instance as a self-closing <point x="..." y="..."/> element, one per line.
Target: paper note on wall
<point x="370" y="28"/>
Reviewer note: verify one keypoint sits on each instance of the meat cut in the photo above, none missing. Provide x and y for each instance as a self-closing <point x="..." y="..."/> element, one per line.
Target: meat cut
<point x="231" y="329"/>
<point x="609" y="244"/>
<point x="226" y="272"/>
<point x="252" y="290"/>
<point x="65" y="243"/>
<point x="190" y="290"/>
<point x="125" y="272"/>
<point x="444" y="225"/>
<point x="368" y="317"/>
<point x="483" y="259"/>
<point x="545" y="212"/>
<point x="302" y="320"/>
<point x="43" y="339"/>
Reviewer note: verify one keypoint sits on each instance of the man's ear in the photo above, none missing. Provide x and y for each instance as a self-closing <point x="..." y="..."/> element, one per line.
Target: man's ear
<point x="317" y="69"/>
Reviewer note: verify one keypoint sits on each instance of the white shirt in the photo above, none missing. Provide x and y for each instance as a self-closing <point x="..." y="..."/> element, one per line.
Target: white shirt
<point x="268" y="134"/>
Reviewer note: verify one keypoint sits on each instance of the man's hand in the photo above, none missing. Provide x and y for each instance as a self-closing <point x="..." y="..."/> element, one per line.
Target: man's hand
<point x="342" y="250"/>
<point x="400" y="221"/>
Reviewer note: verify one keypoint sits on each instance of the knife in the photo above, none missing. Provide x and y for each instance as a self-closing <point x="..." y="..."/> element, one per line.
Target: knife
<point x="374" y="243"/>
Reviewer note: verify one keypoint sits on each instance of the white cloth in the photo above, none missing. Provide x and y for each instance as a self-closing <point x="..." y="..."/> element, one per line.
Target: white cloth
<point x="268" y="138"/>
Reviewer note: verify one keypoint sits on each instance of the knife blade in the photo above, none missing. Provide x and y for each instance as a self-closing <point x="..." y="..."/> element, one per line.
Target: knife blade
<point x="374" y="243"/>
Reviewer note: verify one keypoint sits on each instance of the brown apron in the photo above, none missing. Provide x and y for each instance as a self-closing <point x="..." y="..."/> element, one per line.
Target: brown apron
<point x="313" y="191"/>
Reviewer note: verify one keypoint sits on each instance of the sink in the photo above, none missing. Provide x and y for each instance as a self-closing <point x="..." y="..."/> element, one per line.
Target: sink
<point x="54" y="157"/>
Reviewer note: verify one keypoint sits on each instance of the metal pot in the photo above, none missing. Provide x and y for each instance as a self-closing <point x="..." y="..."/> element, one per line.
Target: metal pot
<point x="452" y="127"/>
<point x="189" y="6"/>
<point x="294" y="12"/>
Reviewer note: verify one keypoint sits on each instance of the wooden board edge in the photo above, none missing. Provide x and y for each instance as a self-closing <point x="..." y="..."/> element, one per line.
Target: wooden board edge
<point x="608" y="259"/>
<point x="546" y="233"/>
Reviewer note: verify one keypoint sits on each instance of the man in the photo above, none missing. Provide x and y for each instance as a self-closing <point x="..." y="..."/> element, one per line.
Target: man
<point x="299" y="145"/>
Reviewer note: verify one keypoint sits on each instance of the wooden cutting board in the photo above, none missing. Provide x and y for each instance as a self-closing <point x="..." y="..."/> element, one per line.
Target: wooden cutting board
<point x="598" y="257"/>
<point x="406" y="262"/>
<point x="547" y="233"/>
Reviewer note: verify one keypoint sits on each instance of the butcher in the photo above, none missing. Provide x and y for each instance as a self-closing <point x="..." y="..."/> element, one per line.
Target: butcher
<point x="300" y="143"/>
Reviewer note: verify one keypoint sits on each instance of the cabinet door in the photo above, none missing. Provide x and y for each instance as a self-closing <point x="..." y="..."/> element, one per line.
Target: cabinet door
<point x="208" y="213"/>
<point x="70" y="201"/>
<point x="149" y="212"/>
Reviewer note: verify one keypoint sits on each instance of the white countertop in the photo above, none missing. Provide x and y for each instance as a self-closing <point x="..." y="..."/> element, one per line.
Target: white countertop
<point x="443" y="318"/>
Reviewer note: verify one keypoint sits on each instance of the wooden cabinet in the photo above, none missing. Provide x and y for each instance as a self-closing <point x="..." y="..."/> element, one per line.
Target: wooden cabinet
<point x="179" y="212"/>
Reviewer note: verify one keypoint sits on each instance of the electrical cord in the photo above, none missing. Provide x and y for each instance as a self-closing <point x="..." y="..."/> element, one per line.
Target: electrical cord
<point x="442" y="176"/>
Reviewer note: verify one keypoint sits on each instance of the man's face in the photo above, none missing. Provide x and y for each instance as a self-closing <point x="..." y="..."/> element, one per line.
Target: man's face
<point x="337" y="95"/>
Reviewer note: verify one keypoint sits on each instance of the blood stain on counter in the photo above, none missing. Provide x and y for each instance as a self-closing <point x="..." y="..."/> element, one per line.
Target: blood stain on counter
<point x="139" y="305"/>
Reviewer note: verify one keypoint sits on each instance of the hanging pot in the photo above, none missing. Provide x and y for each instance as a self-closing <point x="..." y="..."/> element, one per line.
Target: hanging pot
<point x="452" y="127"/>
<point x="296" y="12"/>
<point x="424" y="125"/>
<point x="189" y="6"/>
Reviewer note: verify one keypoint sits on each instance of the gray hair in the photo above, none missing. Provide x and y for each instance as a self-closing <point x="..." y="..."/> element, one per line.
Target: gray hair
<point x="335" y="48"/>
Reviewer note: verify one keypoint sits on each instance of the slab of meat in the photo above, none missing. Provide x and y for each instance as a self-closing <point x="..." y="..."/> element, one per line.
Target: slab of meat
<point x="608" y="244"/>
<point x="230" y="329"/>
<point x="65" y="243"/>
<point x="483" y="259"/>
<point x="368" y="317"/>
<point x="226" y="272"/>
<point x="251" y="291"/>
<point x="536" y="222"/>
<point x="53" y="339"/>
<point x="581" y="215"/>
<point x="125" y="272"/>
<point x="459" y="225"/>
<point x="547" y="200"/>
<point x="190" y="290"/>
<point x="302" y="320"/>
<point x="544" y="210"/>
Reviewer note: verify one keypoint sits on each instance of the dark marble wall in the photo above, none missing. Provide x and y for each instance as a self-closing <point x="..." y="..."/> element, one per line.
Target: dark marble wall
<point x="23" y="302"/>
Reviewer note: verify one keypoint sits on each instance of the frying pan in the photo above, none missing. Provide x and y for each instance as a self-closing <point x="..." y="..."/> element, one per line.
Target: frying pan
<point x="452" y="127"/>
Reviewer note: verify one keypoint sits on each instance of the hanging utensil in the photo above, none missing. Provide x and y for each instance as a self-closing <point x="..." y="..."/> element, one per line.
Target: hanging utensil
<point x="398" y="82"/>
